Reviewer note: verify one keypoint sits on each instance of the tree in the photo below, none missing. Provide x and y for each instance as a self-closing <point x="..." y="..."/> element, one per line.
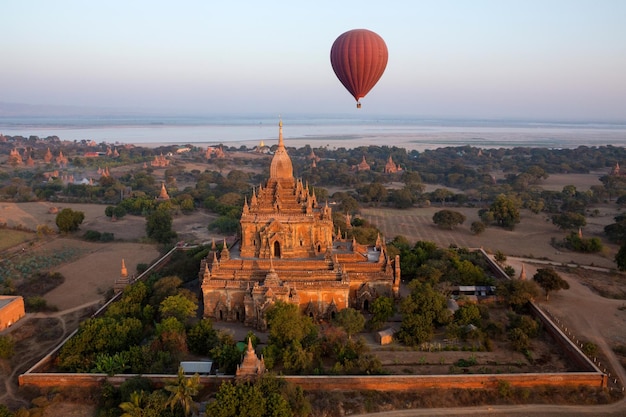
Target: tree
<point x="159" y="226"/>
<point x="68" y="220"/>
<point x="178" y="306"/>
<point x="351" y="320"/>
<point x="382" y="310"/>
<point x="441" y="194"/>
<point x="467" y="314"/>
<point x="569" y="220"/>
<point x="499" y="257"/>
<point x="517" y="292"/>
<point x="402" y="198"/>
<point x="422" y="310"/>
<point x="505" y="211"/>
<point x="549" y="280"/>
<point x="286" y="324"/>
<point x="119" y="211"/>
<point x="448" y="218"/>
<point x="7" y="347"/>
<point x="182" y="392"/>
<point x="202" y="337"/>
<point x="620" y="258"/>
<point x="132" y="407"/>
<point x="477" y="227"/>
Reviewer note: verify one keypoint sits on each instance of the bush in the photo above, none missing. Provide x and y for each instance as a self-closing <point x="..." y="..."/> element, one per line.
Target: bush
<point x="35" y="304"/>
<point x="579" y="244"/>
<point x="92" y="235"/>
<point x="7" y="347"/>
<point x="590" y="348"/>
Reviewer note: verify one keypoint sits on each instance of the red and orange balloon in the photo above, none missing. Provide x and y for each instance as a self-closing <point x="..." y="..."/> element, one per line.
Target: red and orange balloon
<point x="359" y="58"/>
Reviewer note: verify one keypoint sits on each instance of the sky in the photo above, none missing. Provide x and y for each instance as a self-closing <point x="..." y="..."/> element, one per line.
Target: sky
<point x="544" y="60"/>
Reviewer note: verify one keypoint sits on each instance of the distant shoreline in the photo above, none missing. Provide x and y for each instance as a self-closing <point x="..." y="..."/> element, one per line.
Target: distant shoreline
<point x="320" y="131"/>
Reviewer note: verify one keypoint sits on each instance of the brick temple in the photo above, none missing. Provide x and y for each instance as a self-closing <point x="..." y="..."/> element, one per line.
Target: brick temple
<point x="288" y="251"/>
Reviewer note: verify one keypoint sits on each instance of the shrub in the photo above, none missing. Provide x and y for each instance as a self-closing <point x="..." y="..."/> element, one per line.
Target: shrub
<point x="92" y="235"/>
<point x="7" y="347"/>
<point x="36" y="303"/>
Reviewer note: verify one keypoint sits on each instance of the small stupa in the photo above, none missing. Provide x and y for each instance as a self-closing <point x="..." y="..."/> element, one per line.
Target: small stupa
<point x="123" y="281"/>
<point x="163" y="196"/>
<point x="252" y="365"/>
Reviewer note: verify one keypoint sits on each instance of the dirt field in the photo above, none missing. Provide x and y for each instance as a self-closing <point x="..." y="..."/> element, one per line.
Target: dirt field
<point x="531" y="238"/>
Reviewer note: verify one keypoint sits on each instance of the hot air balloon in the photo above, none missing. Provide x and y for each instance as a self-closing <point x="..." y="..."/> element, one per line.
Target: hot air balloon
<point x="359" y="58"/>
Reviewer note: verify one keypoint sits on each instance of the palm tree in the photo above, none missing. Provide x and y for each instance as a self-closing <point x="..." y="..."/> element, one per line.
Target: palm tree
<point x="133" y="407"/>
<point x="182" y="392"/>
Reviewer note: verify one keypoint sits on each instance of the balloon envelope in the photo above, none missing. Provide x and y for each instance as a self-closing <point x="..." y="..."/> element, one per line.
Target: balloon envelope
<point x="359" y="58"/>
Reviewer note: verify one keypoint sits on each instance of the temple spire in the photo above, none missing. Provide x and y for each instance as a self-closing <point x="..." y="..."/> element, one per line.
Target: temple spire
<point x="281" y="144"/>
<point x="124" y="271"/>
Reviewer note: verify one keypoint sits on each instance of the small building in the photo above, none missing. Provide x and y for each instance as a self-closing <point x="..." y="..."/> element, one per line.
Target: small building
<point x="474" y="293"/>
<point x="197" y="367"/>
<point x="385" y="336"/>
<point x="11" y="310"/>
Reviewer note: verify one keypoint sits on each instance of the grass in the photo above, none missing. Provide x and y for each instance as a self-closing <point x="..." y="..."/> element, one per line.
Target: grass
<point x="10" y="238"/>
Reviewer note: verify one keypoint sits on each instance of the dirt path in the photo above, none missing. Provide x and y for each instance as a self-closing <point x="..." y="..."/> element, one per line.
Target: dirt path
<point x="35" y="335"/>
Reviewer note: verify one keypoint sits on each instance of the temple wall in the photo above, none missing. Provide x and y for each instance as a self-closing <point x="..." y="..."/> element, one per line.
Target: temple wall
<point x="397" y="383"/>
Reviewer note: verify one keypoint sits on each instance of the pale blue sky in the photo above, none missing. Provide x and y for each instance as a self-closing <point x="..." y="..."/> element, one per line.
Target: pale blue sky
<point x="543" y="59"/>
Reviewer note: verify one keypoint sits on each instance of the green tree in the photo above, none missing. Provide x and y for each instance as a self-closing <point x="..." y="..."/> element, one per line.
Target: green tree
<point x="500" y="257"/>
<point x="402" y="198"/>
<point x="422" y="310"/>
<point x="7" y="347"/>
<point x="238" y="400"/>
<point x="159" y="226"/>
<point x="517" y="292"/>
<point x="448" y="218"/>
<point x="505" y="211"/>
<point x="182" y="392"/>
<point x="286" y="324"/>
<point x="569" y="220"/>
<point x="133" y="407"/>
<point x="468" y="313"/>
<point x="119" y="211"/>
<point x="620" y="258"/>
<point x="441" y="194"/>
<point x="68" y="220"/>
<point x="382" y="309"/>
<point x="178" y="306"/>
<point x="202" y="337"/>
<point x="351" y="320"/>
<point x="549" y="280"/>
<point x="477" y="227"/>
<point x="226" y="354"/>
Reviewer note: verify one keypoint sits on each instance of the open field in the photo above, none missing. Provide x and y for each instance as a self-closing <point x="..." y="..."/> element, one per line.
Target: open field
<point x="10" y="238"/>
<point x="531" y="238"/>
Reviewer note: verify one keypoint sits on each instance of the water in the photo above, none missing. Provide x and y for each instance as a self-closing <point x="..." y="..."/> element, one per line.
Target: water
<point x="334" y="131"/>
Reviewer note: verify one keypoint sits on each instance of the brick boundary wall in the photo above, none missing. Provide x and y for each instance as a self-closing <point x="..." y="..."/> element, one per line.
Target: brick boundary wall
<point x="395" y="383"/>
<point x="593" y="377"/>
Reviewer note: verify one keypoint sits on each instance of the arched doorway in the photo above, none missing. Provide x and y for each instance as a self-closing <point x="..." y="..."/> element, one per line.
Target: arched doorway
<point x="277" y="249"/>
<point x="366" y="305"/>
